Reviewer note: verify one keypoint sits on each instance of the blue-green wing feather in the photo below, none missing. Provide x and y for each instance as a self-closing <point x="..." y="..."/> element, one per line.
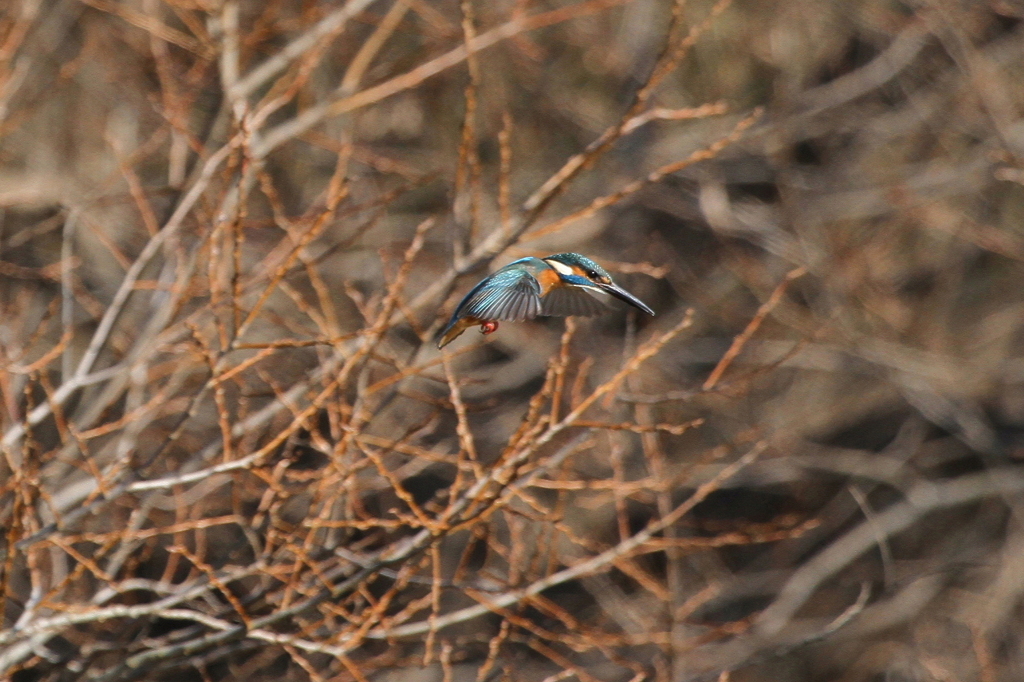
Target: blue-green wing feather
<point x="511" y="295"/>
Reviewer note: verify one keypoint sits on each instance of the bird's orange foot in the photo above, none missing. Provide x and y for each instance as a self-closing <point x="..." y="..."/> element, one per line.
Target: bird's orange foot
<point x="488" y="327"/>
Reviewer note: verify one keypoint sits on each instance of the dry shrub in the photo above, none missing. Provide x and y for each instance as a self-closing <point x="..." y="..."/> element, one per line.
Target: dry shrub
<point x="231" y="229"/>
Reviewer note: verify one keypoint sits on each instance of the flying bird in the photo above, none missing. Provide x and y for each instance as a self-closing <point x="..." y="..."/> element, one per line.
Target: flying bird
<point x="557" y="286"/>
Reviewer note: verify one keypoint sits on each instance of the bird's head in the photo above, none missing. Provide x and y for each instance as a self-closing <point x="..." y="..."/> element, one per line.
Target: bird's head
<point x="579" y="271"/>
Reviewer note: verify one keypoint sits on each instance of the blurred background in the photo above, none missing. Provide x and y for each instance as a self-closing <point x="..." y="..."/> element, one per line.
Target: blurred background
<point x="230" y="230"/>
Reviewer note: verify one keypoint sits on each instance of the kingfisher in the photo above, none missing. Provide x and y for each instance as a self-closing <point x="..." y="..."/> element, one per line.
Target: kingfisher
<point x="556" y="286"/>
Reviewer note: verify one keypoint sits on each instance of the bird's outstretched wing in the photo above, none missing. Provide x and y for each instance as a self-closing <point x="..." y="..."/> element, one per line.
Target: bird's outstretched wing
<point x="507" y="296"/>
<point x="565" y="301"/>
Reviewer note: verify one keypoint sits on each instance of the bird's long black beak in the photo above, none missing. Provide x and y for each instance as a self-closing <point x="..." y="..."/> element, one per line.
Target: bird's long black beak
<point x="623" y="295"/>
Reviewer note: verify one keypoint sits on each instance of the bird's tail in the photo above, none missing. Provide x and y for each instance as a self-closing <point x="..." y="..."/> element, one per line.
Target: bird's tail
<point x="451" y="332"/>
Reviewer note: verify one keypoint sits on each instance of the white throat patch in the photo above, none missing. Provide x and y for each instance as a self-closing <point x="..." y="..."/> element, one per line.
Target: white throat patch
<point x="561" y="267"/>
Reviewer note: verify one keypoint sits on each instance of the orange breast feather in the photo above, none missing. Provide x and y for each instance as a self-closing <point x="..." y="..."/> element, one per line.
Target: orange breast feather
<point x="547" y="279"/>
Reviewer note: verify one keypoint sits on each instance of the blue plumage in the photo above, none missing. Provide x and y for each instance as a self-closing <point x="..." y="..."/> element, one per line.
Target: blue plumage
<point x="559" y="285"/>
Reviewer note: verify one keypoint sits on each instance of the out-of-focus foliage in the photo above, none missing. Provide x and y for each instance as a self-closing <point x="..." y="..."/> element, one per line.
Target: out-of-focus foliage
<point x="230" y="229"/>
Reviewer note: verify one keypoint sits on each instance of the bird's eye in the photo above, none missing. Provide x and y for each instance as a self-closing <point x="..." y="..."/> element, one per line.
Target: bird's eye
<point x="592" y="274"/>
